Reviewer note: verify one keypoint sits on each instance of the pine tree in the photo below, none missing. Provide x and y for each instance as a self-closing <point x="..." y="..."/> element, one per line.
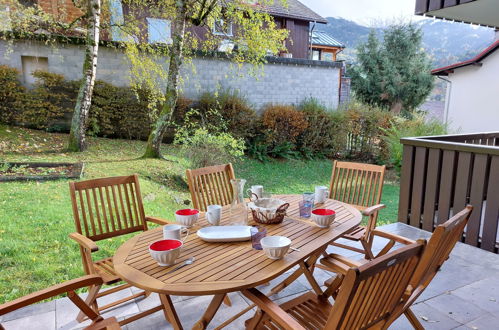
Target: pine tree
<point x="394" y="73"/>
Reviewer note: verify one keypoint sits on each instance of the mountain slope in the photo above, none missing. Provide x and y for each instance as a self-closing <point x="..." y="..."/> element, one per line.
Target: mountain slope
<point x="445" y="42"/>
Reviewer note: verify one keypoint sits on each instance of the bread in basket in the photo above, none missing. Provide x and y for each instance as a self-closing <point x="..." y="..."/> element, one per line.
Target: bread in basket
<point x="268" y="210"/>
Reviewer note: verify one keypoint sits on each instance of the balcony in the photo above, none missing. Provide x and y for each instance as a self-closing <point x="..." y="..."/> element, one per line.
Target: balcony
<point x="482" y="12"/>
<point x="441" y="174"/>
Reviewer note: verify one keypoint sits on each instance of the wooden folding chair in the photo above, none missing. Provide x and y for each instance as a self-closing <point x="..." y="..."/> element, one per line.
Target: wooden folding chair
<point x="211" y="185"/>
<point x="369" y="296"/>
<point x="439" y="247"/>
<point x="106" y="208"/>
<point x="438" y="250"/>
<point x="69" y="288"/>
<point x="361" y="186"/>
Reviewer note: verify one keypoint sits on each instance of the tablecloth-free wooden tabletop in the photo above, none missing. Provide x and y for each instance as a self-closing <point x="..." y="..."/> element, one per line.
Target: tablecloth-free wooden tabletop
<point x="226" y="267"/>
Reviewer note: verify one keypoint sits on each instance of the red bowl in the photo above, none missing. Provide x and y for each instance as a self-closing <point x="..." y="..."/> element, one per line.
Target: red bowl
<point x="165" y="245"/>
<point x="323" y="212"/>
<point x="187" y="212"/>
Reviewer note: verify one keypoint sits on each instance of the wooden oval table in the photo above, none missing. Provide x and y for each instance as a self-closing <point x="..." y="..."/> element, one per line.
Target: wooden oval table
<point x="220" y="268"/>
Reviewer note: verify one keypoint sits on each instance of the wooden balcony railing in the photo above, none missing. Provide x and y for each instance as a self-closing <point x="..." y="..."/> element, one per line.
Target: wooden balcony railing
<point x="424" y="6"/>
<point x="441" y="174"/>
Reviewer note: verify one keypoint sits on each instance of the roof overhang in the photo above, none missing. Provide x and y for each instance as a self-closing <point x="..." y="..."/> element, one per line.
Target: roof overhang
<point x="482" y="12"/>
<point x="475" y="61"/>
<point x="296" y="17"/>
<point x="327" y="46"/>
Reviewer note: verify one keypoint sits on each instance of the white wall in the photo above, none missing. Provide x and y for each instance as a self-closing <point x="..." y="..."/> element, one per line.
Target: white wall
<point x="474" y="97"/>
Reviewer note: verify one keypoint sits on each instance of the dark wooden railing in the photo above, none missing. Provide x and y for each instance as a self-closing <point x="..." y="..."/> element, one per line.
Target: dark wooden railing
<point x="441" y="174"/>
<point x="424" y="6"/>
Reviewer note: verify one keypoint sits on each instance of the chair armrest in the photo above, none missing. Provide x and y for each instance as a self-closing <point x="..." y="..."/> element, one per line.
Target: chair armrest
<point x="274" y="311"/>
<point x="157" y="220"/>
<point x="373" y="209"/>
<point x="84" y="242"/>
<point x="50" y="292"/>
<point x="394" y="237"/>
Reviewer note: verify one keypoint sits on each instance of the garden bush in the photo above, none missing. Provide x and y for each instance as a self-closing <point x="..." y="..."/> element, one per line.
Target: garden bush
<point x="12" y="94"/>
<point x="283" y="124"/>
<point x="364" y="127"/>
<point x="206" y="147"/>
<point x="224" y="122"/>
<point x="231" y="110"/>
<point x="325" y="136"/>
<point x="47" y="103"/>
<point x="403" y="127"/>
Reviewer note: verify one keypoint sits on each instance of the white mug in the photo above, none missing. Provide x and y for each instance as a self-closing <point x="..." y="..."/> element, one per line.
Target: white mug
<point x="321" y="194"/>
<point x="174" y="231"/>
<point x="213" y="214"/>
<point x="257" y="190"/>
<point x="187" y="217"/>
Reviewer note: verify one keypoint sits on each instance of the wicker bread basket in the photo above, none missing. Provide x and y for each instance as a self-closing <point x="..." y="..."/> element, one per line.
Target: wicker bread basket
<point x="268" y="210"/>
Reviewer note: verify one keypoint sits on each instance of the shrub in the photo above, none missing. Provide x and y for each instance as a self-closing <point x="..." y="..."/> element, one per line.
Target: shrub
<point x="364" y="130"/>
<point x="234" y="112"/>
<point x="203" y="147"/>
<point x="283" y="124"/>
<point x="51" y="97"/>
<point x="402" y="127"/>
<point x="325" y="136"/>
<point x="12" y="94"/>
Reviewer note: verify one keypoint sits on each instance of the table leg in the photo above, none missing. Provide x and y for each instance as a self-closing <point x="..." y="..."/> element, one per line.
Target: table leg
<point x="210" y="311"/>
<point x="169" y="310"/>
<point x="306" y="268"/>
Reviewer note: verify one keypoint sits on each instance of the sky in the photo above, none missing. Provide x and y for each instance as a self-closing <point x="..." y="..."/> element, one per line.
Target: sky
<point x="365" y="12"/>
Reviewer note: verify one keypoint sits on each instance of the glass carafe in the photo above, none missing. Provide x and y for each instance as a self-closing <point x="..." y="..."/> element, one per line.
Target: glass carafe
<point x="238" y="208"/>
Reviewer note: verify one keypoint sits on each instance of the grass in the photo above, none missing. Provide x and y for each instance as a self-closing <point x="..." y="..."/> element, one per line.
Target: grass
<point x="36" y="217"/>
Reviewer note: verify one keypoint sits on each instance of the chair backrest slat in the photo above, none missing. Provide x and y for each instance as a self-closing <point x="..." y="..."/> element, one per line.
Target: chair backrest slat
<point x="358" y="184"/>
<point x="210" y="185"/>
<point x="440" y="245"/>
<point x="371" y="293"/>
<point x="107" y="207"/>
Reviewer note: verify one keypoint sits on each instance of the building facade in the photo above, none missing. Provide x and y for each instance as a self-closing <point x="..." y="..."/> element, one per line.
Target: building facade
<point x="472" y="89"/>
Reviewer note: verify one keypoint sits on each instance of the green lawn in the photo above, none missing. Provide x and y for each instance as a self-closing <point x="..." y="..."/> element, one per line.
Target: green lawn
<point x="36" y="218"/>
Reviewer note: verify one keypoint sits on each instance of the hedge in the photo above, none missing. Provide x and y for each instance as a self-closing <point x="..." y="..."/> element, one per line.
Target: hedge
<point x="307" y="130"/>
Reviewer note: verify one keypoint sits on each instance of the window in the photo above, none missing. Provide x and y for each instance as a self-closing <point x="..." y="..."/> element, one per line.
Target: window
<point x="226" y="46"/>
<point x="222" y="27"/>
<point x="117" y="19"/>
<point x="159" y="30"/>
<point x="5" y="23"/>
<point x="327" y="57"/>
<point x="316" y="55"/>
<point x="31" y="64"/>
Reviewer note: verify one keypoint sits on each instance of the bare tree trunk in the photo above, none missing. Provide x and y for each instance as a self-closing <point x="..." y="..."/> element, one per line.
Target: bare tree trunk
<point x="396" y="107"/>
<point x="176" y="55"/>
<point x="77" y="141"/>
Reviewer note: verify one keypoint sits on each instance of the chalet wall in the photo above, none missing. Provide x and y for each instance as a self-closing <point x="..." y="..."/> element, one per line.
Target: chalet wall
<point x="472" y="97"/>
<point x="282" y="80"/>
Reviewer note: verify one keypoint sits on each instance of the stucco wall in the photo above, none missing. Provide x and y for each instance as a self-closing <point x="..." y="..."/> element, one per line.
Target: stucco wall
<point x="473" y="98"/>
<point x="282" y="81"/>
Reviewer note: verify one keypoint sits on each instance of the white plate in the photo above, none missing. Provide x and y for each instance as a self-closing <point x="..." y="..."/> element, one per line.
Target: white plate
<point x="225" y="233"/>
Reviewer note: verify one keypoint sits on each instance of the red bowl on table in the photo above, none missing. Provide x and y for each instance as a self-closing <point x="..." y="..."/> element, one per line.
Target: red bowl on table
<point x="323" y="217"/>
<point x="166" y="251"/>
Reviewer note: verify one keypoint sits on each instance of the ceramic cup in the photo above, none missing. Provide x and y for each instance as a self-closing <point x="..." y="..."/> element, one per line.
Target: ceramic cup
<point x="174" y="231"/>
<point x="323" y="217"/>
<point x="275" y="247"/>
<point x="321" y="194"/>
<point x="187" y="217"/>
<point x="213" y="214"/>
<point x="166" y="251"/>
<point x="257" y="190"/>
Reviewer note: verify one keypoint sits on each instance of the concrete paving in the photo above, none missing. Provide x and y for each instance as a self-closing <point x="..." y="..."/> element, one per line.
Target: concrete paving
<point x="464" y="295"/>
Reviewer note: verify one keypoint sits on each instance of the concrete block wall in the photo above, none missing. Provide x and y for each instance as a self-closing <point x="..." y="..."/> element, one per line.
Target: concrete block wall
<point x="283" y="81"/>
